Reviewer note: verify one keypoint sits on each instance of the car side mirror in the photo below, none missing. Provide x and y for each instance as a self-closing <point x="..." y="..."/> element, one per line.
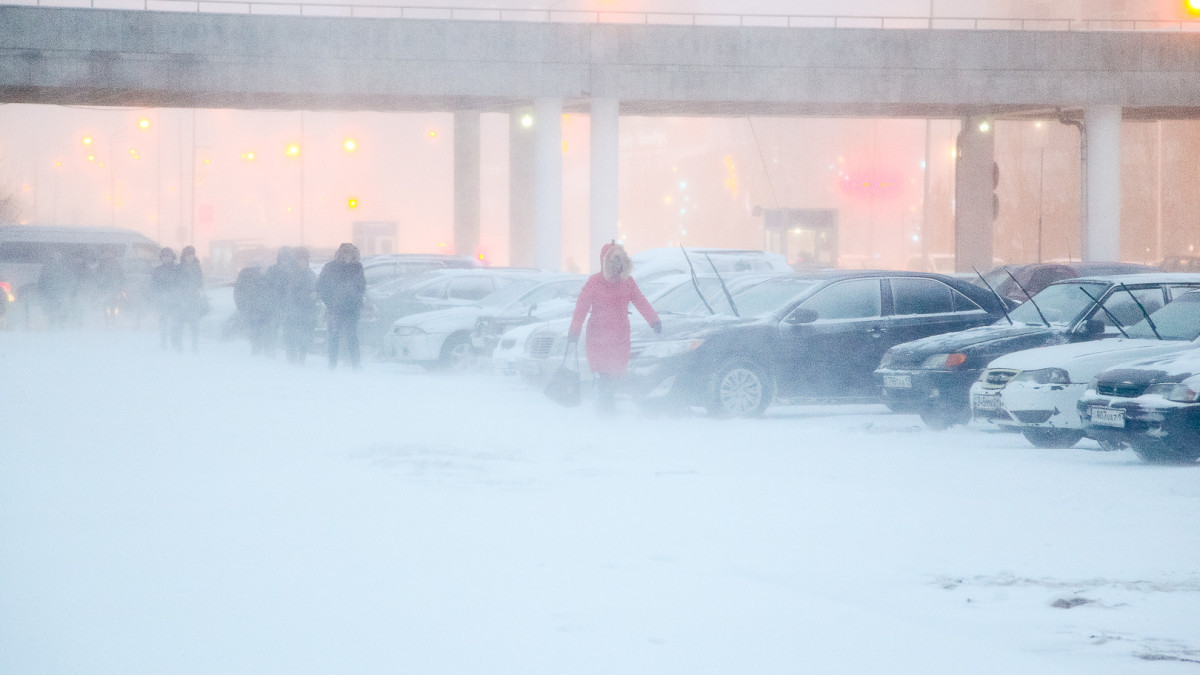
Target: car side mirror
<point x="801" y="316"/>
<point x="1090" y="328"/>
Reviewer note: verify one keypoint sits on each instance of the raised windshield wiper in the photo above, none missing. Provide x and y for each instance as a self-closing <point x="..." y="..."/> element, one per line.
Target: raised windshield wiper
<point x="696" y="282"/>
<point x="1115" y="321"/>
<point x="723" y="286"/>
<point x="1003" y="305"/>
<point x="1144" y="312"/>
<point x="1035" y="305"/>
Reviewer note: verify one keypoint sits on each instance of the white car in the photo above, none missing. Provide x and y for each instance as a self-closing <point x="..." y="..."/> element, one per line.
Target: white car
<point x="1035" y="391"/>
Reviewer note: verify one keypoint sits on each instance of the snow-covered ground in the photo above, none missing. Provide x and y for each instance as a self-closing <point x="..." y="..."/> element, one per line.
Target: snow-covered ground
<point x="214" y="513"/>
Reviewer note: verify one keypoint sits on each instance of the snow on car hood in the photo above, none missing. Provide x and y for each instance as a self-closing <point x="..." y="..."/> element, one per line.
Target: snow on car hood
<point x="1084" y="359"/>
<point x="442" y="319"/>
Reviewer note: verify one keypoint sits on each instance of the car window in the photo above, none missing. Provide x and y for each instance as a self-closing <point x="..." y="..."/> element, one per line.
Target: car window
<point x="1175" y="291"/>
<point x="1121" y="305"/>
<point x="433" y="291"/>
<point x="561" y="289"/>
<point x="1179" y="320"/>
<point x="470" y="288"/>
<point x="772" y="295"/>
<point x="1060" y="303"/>
<point x="913" y="295"/>
<point x="377" y="273"/>
<point x="853" y="299"/>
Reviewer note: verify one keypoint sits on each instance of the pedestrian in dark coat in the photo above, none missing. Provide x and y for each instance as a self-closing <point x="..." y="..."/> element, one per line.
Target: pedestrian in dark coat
<point x="252" y="298"/>
<point x="341" y="286"/>
<point x="191" y="304"/>
<point x="606" y="296"/>
<point x="299" y="307"/>
<point x="165" y="283"/>
<point x="57" y="287"/>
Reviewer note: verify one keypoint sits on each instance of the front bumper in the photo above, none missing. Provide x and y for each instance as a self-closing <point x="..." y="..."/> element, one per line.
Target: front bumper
<point x="1051" y="406"/>
<point x="415" y="348"/>
<point x="919" y="390"/>
<point x="1139" y="420"/>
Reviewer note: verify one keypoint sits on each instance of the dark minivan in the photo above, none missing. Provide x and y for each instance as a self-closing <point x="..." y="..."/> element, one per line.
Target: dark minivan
<point x="799" y="338"/>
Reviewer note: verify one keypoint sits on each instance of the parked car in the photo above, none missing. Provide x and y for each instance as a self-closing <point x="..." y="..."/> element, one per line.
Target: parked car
<point x="550" y="300"/>
<point x="933" y="376"/>
<point x="1044" y="384"/>
<point x="442" y="338"/>
<point x="1153" y="406"/>
<point x="534" y="351"/>
<point x="1036" y="276"/>
<point x="427" y="291"/>
<point x="388" y="266"/>
<point x="659" y="262"/>
<point x="800" y="337"/>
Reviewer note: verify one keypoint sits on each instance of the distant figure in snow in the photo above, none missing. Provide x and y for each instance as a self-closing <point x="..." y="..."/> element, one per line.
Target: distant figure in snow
<point x="57" y="287"/>
<point x="606" y="296"/>
<point x="252" y="299"/>
<point x="165" y="285"/>
<point x="299" y="307"/>
<point x="191" y="303"/>
<point x="341" y="286"/>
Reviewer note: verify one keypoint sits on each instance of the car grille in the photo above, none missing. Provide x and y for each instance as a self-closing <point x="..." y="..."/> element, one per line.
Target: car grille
<point x="1120" y="389"/>
<point x="539" y="346"/>
<point x="996" y="378"/>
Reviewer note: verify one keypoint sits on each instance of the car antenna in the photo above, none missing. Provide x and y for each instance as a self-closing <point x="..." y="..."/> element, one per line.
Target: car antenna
<point x="1144" y="312"/>
<point x="1003" y="305"/>
<point x="1115" y="320"/>
<point x="695" y="282"/>
<point x="1035" y="305"/>
<point x="723" y="286"/>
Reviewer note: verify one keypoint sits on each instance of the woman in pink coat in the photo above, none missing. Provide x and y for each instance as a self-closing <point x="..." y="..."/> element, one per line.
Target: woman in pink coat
<point x="607" y="296"/>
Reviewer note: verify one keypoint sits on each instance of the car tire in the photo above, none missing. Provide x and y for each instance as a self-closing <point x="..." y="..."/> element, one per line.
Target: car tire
<point x="1164" y="452"/>
<point x="740" y="389"/>
<point x="944" y="418"/>
<point x="1052" y="438"/>
<point x="457" y="354"/>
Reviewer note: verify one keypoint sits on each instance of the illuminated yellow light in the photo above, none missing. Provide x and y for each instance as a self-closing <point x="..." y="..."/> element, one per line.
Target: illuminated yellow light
<point x="564" y="146"/>
<point x="132" y="151"/>
<point x="350" y="145"/>
<point x="984" y="126"/>
<point x="248" y="156"/>
<point x="87" y="140"/>
<point x="1192" y="7"/>
<point x="293" y="150"/>
<point x="352" y="203"/>
<point x="91" y="158"/>
<point x="145" y="124"/>
<point x="526" y="120"/>
<point x="433" y="133"/>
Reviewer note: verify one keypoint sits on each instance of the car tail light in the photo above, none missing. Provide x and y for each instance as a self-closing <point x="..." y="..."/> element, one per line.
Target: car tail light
<point x="7" y="291"/>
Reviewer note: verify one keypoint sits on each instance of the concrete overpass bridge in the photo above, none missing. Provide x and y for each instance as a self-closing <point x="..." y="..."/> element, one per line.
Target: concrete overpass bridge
<point x="1093" y="79"/>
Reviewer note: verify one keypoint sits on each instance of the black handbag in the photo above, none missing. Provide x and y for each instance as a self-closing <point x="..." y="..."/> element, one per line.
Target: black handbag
<point x="563" y="387"/>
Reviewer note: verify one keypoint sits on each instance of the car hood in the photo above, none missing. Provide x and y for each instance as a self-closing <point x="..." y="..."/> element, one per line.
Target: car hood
<point x="1170" y="368"/>
<point x="1084" y="359"/>
<point x="686" y="327"/>
<point x="441" y="318"/>
<point x="993" y="339"/>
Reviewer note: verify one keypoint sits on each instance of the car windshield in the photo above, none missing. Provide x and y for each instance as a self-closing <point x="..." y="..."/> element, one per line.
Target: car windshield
<point x="683" y="298"/>
<point x="771" y="295"/>
<point x="1178" y="320"/>
<point x="393" y="286"/>
<point x="1062" y="304"/>
<point x="506" y="295"/>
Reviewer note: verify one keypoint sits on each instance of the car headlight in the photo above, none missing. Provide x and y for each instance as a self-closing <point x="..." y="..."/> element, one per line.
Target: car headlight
<point x="951" y="360"/>
<point x="1181" y="392"/>
<point x="1044" y="376"/>
<point x="406" y="331"/>
<point x="662" y="350"/>
<point x="888" y="358"/>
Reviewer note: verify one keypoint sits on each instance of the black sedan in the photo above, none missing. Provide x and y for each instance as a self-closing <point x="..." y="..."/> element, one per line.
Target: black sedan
<point x="1152" y="406"/>
<point x="799" y="338"/>
<point x="933" y="376"/>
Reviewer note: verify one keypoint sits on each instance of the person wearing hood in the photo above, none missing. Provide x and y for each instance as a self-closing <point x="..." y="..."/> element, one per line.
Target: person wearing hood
<point x="606" y="297"/>
<point x="341" y="286"/>
<point x="192" y="304"/>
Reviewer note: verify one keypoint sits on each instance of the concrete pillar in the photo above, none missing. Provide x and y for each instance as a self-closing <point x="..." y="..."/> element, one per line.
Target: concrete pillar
<point x="1102" y="225"/>
<point x="547" y="172"/>
<point x="521" y="211"/>
<point x="605" y="158"/>
<point x="467" y="183"/>
<point x="974" y="196"/>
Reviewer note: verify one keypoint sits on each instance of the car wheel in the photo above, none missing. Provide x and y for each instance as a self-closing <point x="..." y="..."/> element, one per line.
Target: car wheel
<point x="1163" y="452"/>
<point x="457" y="354"/>
<point x="944" y="418"/>
<point x="740" y="389"/>
<point x="1052" y="438"/>
<point x="1111" y="446"/>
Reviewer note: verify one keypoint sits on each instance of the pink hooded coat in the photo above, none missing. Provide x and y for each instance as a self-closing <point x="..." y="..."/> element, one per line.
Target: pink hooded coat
<point x="608" y="327"/>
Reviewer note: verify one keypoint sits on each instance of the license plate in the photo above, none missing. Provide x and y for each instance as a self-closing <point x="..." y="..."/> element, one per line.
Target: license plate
<point x="1109" y="417"/>
<point x="986" y="402"/>
<point x="897" y="381"/>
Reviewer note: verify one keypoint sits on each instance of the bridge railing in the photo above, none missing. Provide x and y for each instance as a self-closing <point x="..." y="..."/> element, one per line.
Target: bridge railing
<point x="383" y="10"/>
